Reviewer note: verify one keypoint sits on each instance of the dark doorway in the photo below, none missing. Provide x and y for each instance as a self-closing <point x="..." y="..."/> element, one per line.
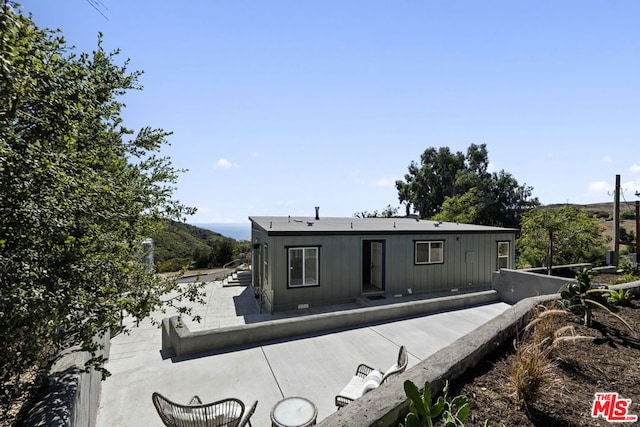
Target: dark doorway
<point x="373" y="270"/>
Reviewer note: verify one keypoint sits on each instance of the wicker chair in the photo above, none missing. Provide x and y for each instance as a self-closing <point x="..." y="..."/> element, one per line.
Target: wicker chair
<point x="246" y="420"/>
<point x="226" y="412"/>
<point x="367" y="378"/>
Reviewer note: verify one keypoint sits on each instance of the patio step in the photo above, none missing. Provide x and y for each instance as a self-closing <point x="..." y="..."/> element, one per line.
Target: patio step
<point x="240" y="278"/>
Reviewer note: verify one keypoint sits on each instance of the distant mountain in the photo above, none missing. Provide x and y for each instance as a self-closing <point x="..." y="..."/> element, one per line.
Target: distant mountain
<point x="591" y="207"/>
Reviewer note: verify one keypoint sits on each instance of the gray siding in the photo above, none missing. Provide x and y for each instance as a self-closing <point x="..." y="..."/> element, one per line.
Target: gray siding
<point x="469" y="261"/>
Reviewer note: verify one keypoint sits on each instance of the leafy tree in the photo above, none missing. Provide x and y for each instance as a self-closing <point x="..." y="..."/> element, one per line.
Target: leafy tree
<point x="555" y="236"/>
<point x="457" y="187"/>
<point x="223" y="251"/>
<point x="427" y="184"/>
<point x="242" y="249"/>
<point x="202" y="257"/>
<point x="466" y="208"/>
<point x="388" y="212"/>
<point x="78" y="195"/>
<point x="508" y="201"/>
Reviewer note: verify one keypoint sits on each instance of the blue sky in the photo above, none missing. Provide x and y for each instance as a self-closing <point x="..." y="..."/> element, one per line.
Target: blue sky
<point x="280" y="106"/>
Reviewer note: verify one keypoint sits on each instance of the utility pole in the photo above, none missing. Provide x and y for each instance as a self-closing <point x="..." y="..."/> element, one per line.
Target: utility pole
<point x="637" y="228"/>
<point x="616" y="222"/>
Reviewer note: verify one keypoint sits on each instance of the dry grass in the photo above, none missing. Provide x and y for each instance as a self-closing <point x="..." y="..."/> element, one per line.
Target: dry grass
<point x="531" y="373"/>
<point x="549" y="327"/>
<point x="531" y="369"/>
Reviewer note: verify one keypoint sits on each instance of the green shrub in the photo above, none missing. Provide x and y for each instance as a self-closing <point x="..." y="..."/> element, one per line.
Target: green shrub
<point x="630" y="214"/>
<point x="173" y="264"/>
<point x="620" y="297"/>
<point x="625" y="278"/>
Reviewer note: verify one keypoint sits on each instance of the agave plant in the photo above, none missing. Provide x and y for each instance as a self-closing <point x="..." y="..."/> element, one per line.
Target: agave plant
<point x="582" y="297"/>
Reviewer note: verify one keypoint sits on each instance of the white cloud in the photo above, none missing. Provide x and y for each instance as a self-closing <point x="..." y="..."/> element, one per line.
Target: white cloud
<point x="255" y="154"/>
<point x="634" y="169"/>
<point x="607" y="159"/>
<point x="603" y="189"/>
<point x="600" y="187"/>
<point x="385" y="182"/>
<point x="223" y="163"/>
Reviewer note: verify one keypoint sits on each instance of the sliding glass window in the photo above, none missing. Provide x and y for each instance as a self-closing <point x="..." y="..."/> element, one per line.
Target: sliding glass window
<point x="303" y="267"/>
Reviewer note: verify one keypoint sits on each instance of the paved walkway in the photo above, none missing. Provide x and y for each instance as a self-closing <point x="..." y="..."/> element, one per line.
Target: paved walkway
<point x="315" y="367"/>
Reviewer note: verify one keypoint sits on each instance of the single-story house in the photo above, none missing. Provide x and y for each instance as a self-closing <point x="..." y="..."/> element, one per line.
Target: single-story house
<point x="304" y="262"/>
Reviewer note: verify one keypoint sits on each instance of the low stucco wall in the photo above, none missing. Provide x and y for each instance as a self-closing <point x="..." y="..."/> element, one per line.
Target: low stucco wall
<point x="72" y="396"/>
<point x="178" y="339"/>
<point x="516" y="285"/>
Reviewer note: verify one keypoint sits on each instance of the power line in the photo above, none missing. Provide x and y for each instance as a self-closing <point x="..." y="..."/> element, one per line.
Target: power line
<point x="625" y="200"/>
<point x="97" y="4"/>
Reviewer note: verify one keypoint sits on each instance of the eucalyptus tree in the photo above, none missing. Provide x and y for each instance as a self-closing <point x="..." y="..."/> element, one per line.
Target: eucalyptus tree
<point x="459" y="187"/>
<point x="428" y="183"/>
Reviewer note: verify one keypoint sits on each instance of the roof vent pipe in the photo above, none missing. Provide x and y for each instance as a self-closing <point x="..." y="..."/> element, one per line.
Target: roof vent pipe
<point x="317" y="213"/>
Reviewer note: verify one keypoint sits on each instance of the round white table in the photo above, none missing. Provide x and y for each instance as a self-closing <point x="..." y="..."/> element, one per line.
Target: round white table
<point x="294" y="412"/>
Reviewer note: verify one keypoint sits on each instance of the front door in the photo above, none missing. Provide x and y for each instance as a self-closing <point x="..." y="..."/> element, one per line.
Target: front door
<point x="372" y="266"/>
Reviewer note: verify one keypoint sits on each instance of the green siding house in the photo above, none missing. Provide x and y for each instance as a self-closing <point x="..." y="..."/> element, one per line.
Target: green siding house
<point x="305" y="262"/>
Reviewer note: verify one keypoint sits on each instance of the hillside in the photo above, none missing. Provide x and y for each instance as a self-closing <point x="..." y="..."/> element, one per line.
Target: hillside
<point x="179" y="244"/>
<point x="179" y="240"/>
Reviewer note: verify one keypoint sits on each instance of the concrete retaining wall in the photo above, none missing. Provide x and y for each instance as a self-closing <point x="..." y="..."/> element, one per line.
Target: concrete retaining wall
<point x="179" y="340"/>
<point x="516" y="285"/>
<point x="565" y="270"/>
<point x="72" y="396"/>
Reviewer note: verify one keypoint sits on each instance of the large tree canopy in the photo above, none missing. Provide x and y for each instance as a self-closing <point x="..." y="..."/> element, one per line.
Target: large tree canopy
<point x="556" y="236"/>
<point x="78" y="195"/>
<point x="458" y="187"/>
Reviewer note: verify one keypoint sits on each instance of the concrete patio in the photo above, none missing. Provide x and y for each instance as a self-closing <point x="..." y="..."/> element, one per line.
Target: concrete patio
<point x="314" y="366"/>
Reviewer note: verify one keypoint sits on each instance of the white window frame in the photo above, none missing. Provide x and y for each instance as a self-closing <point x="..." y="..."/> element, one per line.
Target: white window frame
<point x="304" y="266"/>
<point x="507" y="256"/>
<point x="431" y="251"/>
